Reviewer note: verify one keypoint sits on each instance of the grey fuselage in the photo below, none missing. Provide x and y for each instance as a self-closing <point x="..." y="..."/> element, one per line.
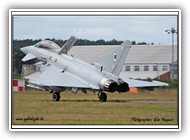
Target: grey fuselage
<point x="81" y="70"/>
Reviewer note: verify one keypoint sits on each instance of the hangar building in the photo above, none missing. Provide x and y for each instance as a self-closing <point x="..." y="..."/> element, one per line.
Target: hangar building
<point x="142" y="62"/>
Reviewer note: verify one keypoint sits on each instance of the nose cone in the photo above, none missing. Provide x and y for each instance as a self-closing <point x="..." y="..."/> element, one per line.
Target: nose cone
<point x="25" y="50"/>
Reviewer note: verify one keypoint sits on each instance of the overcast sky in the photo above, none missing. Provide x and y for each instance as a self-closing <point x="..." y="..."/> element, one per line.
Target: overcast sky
<point x="138" y="28"/>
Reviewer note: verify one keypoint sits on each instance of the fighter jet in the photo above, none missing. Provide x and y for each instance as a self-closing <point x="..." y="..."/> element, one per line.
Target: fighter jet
<point x="60" y="70"/>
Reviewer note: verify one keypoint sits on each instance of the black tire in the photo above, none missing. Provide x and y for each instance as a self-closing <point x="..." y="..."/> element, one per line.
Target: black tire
<point x="56" y="96"/>
<point x="102" y="97"/>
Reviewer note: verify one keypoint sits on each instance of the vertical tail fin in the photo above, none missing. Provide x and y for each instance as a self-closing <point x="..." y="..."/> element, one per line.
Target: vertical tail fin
<point x="113" y="62"/>
<point x="68" y="45"/>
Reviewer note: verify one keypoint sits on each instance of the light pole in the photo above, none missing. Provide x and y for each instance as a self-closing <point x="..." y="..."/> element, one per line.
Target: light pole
<point x="172" y="31"/>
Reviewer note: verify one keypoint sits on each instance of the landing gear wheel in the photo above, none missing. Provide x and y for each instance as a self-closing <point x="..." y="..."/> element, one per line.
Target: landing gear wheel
<point x="56" y="96"/>
<point x="102" y="97"/>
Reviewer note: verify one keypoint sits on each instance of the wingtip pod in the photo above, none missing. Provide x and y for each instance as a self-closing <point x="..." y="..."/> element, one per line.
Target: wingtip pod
<point x="161" y="83"/>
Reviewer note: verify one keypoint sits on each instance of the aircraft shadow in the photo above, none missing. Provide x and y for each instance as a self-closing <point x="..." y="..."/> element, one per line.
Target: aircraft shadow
<point x="86" y="100"/>
<point x="118" y="101"/>
<point x="121" y="101"/>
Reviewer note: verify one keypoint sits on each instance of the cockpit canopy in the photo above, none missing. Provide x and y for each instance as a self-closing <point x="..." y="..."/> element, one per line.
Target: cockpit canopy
<point x="46" y="44"/>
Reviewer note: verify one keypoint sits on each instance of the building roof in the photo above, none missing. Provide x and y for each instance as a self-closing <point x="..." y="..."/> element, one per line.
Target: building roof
<point x="137" y="54"/>
<point x="151" y="54"/>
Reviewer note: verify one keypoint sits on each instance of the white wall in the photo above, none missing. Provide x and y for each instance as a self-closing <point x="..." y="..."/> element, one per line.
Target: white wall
<point x="160" y="66"/>
<point x="144" y="74"/>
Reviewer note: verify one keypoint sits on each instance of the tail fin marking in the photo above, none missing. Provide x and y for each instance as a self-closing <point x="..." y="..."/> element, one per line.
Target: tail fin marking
<point x="113" y="62"/>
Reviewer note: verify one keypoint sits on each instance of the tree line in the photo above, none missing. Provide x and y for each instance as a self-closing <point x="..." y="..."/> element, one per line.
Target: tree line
<point x="17" y="55"/>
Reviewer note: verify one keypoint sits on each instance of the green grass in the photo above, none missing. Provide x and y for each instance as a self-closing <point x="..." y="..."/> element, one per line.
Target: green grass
<point x="36" y="107"/>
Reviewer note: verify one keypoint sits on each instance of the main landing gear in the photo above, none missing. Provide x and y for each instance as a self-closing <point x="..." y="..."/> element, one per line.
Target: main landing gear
<point x="56" y="96"/>
<point x="102" y="96"/>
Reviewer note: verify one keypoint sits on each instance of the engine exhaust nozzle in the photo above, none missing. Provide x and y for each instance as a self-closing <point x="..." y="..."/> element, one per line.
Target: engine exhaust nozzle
<point x="123" y="87"/>
<point x="108" y="85"/>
